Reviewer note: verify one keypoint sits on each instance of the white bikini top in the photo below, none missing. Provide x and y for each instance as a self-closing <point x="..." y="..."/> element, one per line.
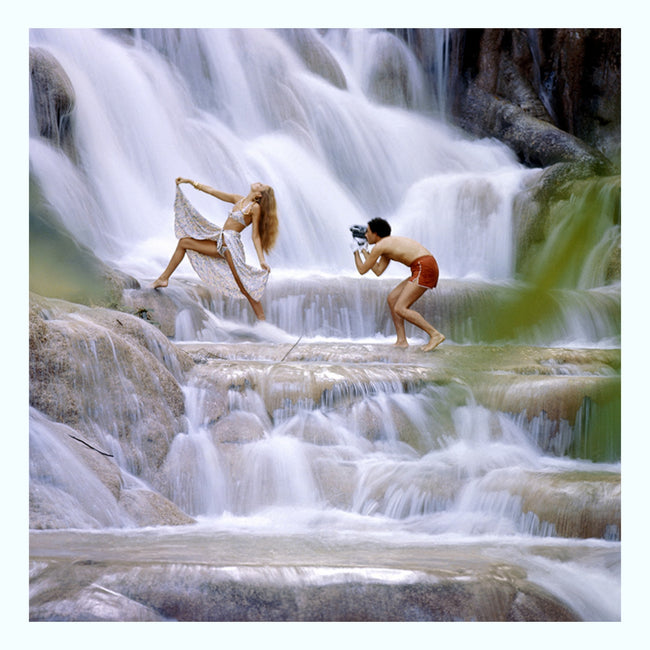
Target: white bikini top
<point x="239" y="216"/>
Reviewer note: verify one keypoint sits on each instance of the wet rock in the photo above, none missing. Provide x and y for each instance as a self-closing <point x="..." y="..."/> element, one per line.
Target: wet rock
<point x="53" y="97"/>
<point x="177" y="310"/>
<point x="572" y="416"/>
<point x="141" y="334"/>
<point x="406" y="489"/>
<point x="315" y="429"/>
<point x="67" y="593"/>
<point x="390" y="79"/>
<point x="148" y="508"/>
<point x="53" y="508"/>
<point x="154" y="306"/>
<point x="107" y="386"/>
<point x="533" y="604"/>
<point x="577" y="504"/>
<point x="238" y="428"/>
<point x="74" y="484"/>
<point x="386" y="419"/>
<point x="560" y="398"/>
<point x="557" y="384"/>
<point x="186" y="593"/>
<point x="336" y="478"/>
<point x="535" y="141"/>
<point x="116" y="283"/>
<point x="315" y="55"/>
<point x="569" y="78"/>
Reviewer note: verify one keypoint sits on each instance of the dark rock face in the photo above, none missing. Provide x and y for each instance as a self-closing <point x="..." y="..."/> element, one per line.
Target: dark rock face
<point x="537" y="142"/>
<point x="582" y="68"/>
<point x="523" y="80"/>
<point x="568" y="77"/>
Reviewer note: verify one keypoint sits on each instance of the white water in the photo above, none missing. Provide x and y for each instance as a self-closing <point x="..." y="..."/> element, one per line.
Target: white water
<point x="231" y="106"/>
<point x="228" y="107"/>
<point x="334" y="157"/>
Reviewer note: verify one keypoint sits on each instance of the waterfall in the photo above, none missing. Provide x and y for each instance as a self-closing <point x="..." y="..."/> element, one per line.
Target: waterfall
<point x="303" y="451"/>
<point x="433" y="48"/>
<point x="334" y="156"/>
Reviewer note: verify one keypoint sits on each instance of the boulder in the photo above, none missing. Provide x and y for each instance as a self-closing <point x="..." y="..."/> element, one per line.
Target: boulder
<point x="156" y="307"/>
<point x="537" y="142"/>
<point x="568" y="78"/>
<point x="139" y="332"/>
<point x="53" y="97"/>
<point x="148" y="508"/>
<point x="104" y="382"/>
<point x="578" y="504"/>
<point x="315" y="55"/>
<point x="182" y="592"/>
<point x="75" y="484"/>
<point x="390" y="77"/>
<point x="238" y="427"/>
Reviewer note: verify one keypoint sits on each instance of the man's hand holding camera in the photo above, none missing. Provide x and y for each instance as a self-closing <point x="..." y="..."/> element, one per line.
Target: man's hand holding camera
<point x="359" y="241"/>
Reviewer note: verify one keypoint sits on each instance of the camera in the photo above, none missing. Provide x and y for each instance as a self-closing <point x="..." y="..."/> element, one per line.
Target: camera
<point x="359" y="234"/>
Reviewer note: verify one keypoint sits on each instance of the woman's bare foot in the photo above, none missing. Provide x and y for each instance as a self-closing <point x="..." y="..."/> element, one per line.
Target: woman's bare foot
<point x="160" y="282"/>
<point x="434" y="342"/>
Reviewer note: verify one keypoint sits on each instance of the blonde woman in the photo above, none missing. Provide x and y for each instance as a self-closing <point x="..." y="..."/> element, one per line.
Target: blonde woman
<point x="217" y="254"/>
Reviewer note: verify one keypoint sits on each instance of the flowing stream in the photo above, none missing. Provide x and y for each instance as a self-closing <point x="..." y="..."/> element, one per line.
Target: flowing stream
<point x="340" y="460"/>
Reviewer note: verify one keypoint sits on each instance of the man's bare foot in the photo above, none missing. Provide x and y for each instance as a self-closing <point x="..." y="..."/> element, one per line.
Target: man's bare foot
<point x="401" y="344"/>
<point x="159" y="283"/>
<point x="434" y="342"/>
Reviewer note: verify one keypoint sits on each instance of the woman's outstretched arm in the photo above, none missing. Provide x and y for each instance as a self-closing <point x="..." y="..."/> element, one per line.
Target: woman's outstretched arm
<point x="223" y="196"/>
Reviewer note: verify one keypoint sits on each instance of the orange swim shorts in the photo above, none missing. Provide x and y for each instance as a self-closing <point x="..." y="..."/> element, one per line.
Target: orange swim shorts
<point x="424" y="272"/>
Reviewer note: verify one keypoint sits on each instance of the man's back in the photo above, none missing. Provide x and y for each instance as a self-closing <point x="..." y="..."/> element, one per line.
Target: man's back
<point x="401" y="249"/>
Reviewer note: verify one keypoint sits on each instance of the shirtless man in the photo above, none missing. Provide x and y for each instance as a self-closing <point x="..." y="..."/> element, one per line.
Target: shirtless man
<point x="424" y="275"/>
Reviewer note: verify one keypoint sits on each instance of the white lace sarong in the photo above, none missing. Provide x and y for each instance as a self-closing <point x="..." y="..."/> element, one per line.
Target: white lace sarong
<point x="188" y="222"/>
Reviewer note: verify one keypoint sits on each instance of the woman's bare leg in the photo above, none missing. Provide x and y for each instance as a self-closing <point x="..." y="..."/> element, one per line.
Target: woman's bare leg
<point x="410" y="292"/>
<point x="255" y="304"/>
<point x="176" y="259"/>
<point x="206" y="247"/>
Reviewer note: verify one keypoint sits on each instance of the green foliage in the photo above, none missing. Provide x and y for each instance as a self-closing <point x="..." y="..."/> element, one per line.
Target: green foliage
<point x="598" y="430"/>
<point x="574" y="227"/>
<point x="578" y="248"/>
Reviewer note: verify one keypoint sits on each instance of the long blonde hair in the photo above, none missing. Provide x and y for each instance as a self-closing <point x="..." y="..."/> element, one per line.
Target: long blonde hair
<point x="268" y="225"/>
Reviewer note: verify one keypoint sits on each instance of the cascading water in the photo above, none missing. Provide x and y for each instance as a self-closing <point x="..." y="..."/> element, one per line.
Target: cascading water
<point x="337" y="461"/>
